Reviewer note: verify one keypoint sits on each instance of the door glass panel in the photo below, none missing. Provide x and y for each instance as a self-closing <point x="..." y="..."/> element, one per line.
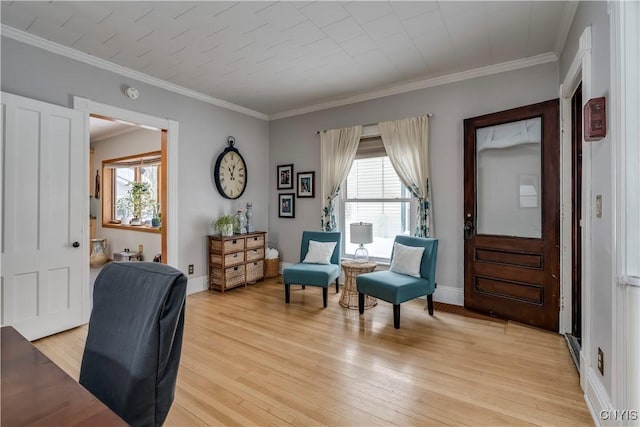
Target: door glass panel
<point x="508" y="191"/>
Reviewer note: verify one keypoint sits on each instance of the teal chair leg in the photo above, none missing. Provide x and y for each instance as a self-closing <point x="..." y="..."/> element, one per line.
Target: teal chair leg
<point x="337" y="285"/>
<point x="430" y="304"/>
<point x="361" y="302"/>
<point x="287" y="293"/>
<point x="325" y="294"/>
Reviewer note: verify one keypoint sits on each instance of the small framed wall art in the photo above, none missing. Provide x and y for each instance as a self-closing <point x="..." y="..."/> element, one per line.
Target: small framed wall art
<point x="286" y="205"/>
<point x="285" y="177"/>
<point x="306" y="184"/>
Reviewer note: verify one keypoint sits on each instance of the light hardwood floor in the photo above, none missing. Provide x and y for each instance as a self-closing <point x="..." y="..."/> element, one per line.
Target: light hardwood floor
<point x="250" y="359"/>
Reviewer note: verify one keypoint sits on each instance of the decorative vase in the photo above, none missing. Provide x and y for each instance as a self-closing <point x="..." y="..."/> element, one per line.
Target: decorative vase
<point x="98" y="257"/>
<point x="249" y="214"/>
<point x="155" y="222"/>
<point x="226" y="230"/>
<point x="242" y="222"/>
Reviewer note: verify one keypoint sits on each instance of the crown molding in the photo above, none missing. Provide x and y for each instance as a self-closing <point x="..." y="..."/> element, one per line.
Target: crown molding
<point x="422" y="84"/>
<point x="59" y="49"/>
<point x="68" y="52"/>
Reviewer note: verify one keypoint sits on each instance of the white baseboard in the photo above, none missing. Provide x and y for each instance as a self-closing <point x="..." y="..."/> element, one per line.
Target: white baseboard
<point x="449" y="295"/>
<point x="196" y="284"/>
<point x="597" y="398"/>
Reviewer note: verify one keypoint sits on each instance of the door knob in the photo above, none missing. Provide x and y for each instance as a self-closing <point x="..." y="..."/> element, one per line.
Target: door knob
<point x="468" y="229"/>
<point x="75" y="244"/>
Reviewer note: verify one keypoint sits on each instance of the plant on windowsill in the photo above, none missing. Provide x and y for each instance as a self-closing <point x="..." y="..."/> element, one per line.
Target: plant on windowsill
<point x="157" y="216"/>
<point x="137" y="201"/>
<point x="225" y="224"/>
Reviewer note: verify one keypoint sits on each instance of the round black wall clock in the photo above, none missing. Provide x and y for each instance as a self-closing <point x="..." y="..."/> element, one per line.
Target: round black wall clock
<point x="230" y="172"/>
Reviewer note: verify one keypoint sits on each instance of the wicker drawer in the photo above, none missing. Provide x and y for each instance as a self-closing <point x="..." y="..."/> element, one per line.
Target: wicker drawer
<point x="234" y="245"/>
<point x="229" y="259"/>
<point x="255" y="241"/>
<point x="234" y="259"/>
<point x="229" y="277"/>
<point x="255" y="271"/>
<point x="255" y="254"/>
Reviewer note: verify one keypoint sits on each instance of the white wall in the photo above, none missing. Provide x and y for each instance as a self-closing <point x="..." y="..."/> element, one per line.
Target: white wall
<point x="292" y="140"/>
<point x="128" y="144"/>
<point x="599" y="267"/>
<point x="35" y="73"/>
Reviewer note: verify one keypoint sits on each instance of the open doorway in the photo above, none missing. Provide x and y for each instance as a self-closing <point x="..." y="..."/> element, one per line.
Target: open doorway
<point x="127" y="192"/>
<point x="574" y="338"/>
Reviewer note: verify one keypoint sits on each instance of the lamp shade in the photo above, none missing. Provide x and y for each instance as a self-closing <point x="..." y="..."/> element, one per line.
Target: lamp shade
<point x="361" y="232"/>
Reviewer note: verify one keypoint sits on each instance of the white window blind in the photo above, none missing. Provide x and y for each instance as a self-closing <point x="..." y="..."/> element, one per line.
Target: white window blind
<point x="375" y="194"/>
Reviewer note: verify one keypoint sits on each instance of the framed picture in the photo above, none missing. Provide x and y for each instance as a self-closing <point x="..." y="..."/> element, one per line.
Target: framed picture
<point x="306" y="184"/>
<point x="285" y="177"/>
<point x="286" y="205"/>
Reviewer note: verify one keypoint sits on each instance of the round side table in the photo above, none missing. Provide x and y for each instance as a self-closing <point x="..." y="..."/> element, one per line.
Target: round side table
<point x="349" y="297"/>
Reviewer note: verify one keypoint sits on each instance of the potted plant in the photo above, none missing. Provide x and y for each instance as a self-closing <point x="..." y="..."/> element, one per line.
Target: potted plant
<point x="137" y="200"/>
<point x="157" y="216"/>
<point x="225" y="224"/>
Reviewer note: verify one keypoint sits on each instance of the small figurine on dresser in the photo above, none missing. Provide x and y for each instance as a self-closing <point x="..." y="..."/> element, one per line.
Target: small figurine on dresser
<point x="242" y="221"/>
<point x="250" y="228"/>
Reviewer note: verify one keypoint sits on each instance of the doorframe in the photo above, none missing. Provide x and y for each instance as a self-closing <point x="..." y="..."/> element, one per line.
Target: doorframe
<point x="579" y="71"/>
<point x="88" y="107"/>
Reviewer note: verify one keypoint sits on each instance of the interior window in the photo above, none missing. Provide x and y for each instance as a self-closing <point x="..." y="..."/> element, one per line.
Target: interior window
<point x="119" y="178"/>
<point x="375" y="194"/>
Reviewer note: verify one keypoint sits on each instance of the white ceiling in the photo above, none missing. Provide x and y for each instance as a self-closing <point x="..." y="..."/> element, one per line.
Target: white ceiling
<point x="100" y="129"/>
<point x="274" y="57"/>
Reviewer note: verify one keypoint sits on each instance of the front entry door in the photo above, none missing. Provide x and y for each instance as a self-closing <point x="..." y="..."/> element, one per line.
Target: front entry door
<point x="42" y="220"/>
<point x="511" y="214"/>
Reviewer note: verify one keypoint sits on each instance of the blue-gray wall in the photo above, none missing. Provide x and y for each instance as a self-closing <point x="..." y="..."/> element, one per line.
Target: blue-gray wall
<point x="35" y="73"/>
<point x="292" y="140"/>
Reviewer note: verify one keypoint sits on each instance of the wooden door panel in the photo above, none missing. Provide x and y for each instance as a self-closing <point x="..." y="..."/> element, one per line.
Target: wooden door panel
<point x="513" y="275"/>
<point x="499" y="256"/>
<point x="524" y="292"/>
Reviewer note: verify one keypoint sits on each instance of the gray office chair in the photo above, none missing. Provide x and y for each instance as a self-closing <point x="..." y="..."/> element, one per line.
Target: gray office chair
<point x="131" y="356"/>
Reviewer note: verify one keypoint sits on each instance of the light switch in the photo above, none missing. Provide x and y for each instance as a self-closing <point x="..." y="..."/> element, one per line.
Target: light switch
<point x="599" y="206"/>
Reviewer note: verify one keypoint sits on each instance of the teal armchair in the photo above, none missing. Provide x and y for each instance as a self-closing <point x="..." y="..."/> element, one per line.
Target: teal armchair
<point x="321" y="275"/>
<point x="397" y="288"/>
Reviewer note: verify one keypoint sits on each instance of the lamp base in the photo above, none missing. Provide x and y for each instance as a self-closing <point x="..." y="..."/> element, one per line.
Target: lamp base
<point x="361" y="254"/>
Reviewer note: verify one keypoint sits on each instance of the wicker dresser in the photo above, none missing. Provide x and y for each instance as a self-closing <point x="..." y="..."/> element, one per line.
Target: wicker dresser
<point x="236" y="260"/>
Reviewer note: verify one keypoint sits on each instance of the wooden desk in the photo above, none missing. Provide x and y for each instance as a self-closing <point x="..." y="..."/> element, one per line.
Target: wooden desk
<point x="36" y="392"/>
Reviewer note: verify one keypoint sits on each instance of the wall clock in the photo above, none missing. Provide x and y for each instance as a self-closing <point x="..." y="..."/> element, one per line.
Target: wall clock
<point x="230" y="172"/>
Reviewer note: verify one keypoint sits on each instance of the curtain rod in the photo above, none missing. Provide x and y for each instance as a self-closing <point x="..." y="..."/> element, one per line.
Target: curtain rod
<point x="369" y="124"/>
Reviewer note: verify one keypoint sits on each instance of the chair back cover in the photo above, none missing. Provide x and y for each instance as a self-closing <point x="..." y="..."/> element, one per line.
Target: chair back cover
<point x="321" y="236"/>
<point x="429" y="256"/>
<point x="131" y="356"/>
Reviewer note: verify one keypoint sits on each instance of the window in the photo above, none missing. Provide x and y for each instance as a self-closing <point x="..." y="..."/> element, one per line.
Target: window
<point x="119" y="177"/>
<point x="375" y="194"/>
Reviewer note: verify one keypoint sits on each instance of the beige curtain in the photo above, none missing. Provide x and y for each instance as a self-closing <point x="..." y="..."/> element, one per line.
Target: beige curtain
<point x="406" y="142"/>
<point x="337" y="150"/>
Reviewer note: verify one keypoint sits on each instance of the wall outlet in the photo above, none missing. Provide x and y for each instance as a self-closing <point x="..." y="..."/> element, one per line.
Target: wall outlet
<point x="599" y="206"/>
<point x="190" y="268"/>
<point x="600" y="361"/>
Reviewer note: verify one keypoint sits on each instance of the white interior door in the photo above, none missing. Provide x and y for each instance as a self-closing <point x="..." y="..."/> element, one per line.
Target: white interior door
<point x="42" y="220"/>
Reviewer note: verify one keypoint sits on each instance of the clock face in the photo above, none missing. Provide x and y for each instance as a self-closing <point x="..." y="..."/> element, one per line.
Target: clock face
<point x="230" y="174"/>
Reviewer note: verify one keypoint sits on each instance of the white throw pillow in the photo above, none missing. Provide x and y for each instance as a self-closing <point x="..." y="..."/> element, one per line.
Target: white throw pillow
<point x="319" y="252"/>
<point x="406" y="259"/>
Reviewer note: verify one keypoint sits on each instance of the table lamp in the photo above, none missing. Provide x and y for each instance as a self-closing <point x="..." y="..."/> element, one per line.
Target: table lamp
<point x="361" y="233"/>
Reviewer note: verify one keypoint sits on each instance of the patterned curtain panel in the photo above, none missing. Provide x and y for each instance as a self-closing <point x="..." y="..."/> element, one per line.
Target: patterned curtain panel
<point x="407" y="144"/>
<point x="337" y="150"/>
